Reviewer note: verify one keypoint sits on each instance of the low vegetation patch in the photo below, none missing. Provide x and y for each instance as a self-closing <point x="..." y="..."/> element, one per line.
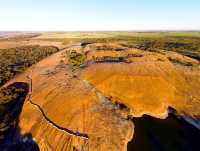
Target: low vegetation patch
<point x="75" y="59"/>
<point x="108" y="59"/>
<point x="9" y="94"/>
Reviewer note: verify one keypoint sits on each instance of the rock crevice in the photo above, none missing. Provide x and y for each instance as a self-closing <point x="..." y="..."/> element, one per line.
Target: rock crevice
<point x="66" y="130"/>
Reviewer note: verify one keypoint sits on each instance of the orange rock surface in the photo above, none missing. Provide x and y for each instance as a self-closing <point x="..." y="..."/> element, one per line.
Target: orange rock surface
<point x="86" y="102"/>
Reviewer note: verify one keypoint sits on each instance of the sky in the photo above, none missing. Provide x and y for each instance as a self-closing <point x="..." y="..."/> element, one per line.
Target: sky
<point x="102" y="15"/>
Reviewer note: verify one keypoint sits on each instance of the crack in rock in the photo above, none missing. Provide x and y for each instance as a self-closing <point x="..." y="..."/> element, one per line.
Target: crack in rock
<point x="63" y="129"/>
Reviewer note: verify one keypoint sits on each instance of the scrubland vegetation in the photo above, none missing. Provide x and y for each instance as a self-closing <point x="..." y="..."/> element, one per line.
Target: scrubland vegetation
<point x="189" y="46"/>
<point x="187" y="43"/>
<point x="181" y="43"/>
<point x="9" y="94"/>
<point x="76" y="59"/>
<point x="108" y="59"/>
<point x="16" y="60"/>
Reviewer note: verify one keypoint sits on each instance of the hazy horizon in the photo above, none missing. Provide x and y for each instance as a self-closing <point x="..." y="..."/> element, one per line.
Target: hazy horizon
<point x="99" y="15"/>
<point x="156" y="30"/>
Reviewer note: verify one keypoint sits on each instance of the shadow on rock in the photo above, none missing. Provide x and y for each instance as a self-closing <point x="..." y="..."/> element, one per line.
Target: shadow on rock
<point x="12" y="100"/>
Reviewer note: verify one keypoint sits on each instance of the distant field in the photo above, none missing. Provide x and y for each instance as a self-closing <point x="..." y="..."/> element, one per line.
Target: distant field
<point x="61" y="35"/>
<point x="69" y="35"/>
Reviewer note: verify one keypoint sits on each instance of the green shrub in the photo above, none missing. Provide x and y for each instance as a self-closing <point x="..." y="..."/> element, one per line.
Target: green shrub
<point x="9" y="94"/>
<point x="76" y="60"/>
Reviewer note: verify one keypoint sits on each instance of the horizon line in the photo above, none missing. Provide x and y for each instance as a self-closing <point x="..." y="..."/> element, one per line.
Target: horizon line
<point x="139" y="30"/>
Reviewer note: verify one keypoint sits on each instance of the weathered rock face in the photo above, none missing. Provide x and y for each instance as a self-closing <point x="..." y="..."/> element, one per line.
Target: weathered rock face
<point x="90" y="109"/>
<point x="127" y="84"/>
<point x="149" y="84"/>
<point x="67" y="113"/>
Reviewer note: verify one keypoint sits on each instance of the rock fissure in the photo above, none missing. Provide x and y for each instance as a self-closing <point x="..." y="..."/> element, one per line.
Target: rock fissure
<point x="65" y="130"/>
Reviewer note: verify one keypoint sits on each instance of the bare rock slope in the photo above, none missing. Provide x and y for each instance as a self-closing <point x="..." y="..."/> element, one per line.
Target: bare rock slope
<point x="90" y="109"/>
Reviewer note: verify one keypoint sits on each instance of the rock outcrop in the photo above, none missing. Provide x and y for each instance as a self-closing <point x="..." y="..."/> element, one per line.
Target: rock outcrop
<point x="90" y="109"/>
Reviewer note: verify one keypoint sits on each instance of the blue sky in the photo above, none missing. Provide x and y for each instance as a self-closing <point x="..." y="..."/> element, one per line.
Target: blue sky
<point x="73" y="15"/>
